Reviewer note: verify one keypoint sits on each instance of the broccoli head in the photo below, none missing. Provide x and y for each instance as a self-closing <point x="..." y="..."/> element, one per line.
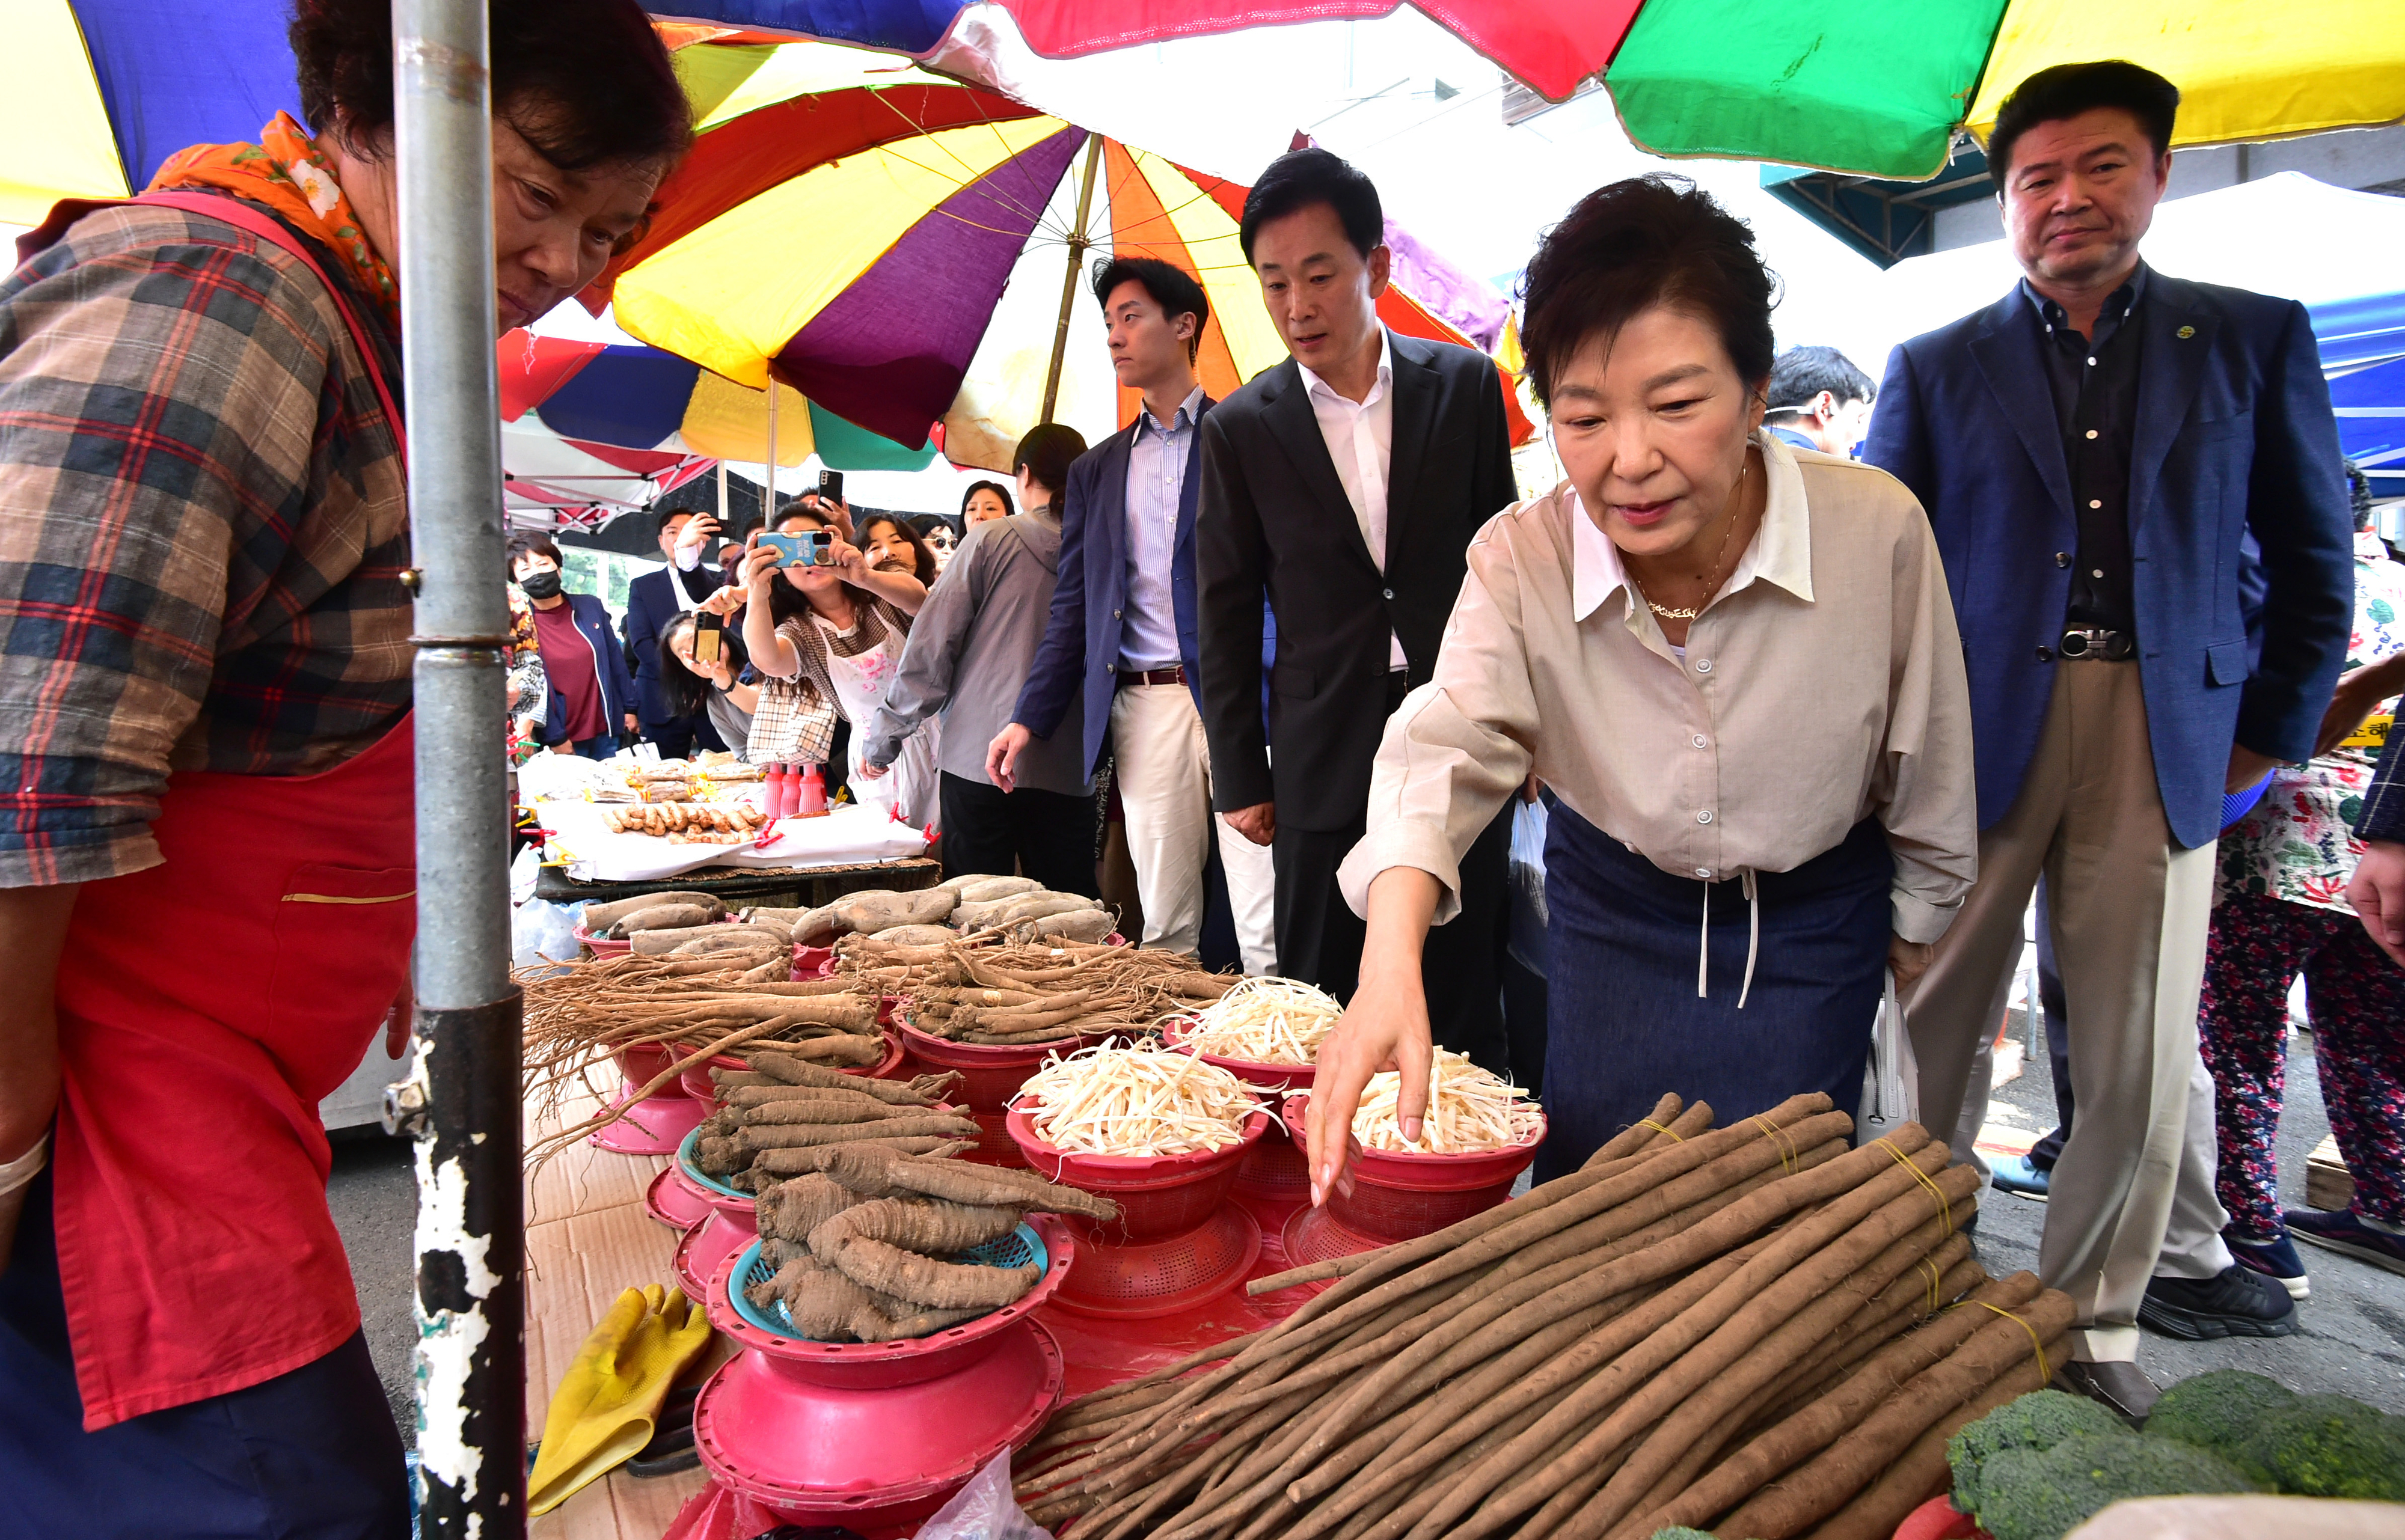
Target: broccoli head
<point x="2220" y="1412"/>
<point x="2036" y="1421"/>
<point x="2330" y="1445"/>
<point x="2044" y="1494"/>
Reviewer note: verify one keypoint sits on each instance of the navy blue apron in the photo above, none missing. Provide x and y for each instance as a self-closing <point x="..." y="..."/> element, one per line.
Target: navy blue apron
<point x="1624" y="1025"/>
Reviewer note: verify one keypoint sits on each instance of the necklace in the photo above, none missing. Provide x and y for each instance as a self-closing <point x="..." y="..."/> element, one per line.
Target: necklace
<point x="1718" y="557"/>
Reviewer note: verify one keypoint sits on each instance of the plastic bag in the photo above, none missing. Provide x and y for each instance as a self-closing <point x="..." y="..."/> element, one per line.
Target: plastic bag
<point x="984" y="1510"/>
<point x="1527" y="887"/>
<point x="1891" y="1078"/>
<point x="542" y="931"/>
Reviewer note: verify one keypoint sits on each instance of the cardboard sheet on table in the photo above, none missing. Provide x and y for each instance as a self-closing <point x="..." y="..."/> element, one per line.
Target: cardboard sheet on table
<point x="846" y="835"/>
<point x="588" y="1239"/>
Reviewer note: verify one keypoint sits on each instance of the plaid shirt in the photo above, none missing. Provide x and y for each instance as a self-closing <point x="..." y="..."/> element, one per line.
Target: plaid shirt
<point x="202" y="530"/>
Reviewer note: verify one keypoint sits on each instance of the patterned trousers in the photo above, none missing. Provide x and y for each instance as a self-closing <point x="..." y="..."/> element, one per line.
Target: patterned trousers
<point x="2357" y="999"/>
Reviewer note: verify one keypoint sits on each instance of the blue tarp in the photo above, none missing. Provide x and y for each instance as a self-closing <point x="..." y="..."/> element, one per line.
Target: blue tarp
<point x="2363" y="352"/>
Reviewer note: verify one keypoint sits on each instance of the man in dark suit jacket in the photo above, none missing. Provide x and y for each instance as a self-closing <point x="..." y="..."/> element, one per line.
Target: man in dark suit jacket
<point x="1122" y="632"/>
<point x="1346" y="481"/>
<point x="2093" y="450"/>
<point x="651" y="603"/>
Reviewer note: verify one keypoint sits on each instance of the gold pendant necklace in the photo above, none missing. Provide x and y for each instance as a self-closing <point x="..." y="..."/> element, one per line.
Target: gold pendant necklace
<point x="1718" y="558"/>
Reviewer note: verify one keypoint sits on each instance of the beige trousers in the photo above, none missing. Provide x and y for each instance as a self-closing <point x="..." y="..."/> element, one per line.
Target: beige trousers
<point x="1164" y="784"/>
<point x="2130" y="911"/>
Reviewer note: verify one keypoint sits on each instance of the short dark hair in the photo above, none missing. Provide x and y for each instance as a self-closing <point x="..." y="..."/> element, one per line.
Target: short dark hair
<point x="1628" y="246"/>
<point x="1801" y="374"/>
<point x="922" y="556"/>
<point x="1009" y="504"/>
<point x="532" y="545"/>
<point x="2066" y="90"/>
<point x="1172" y="288"/>
<point x="1047" y="454"/>
<point x="1301" y="178"/>
<point x="588" y="82"/>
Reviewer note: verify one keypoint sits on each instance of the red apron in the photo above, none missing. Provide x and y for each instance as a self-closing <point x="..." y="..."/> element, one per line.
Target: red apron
<point x="206" y="1006"/>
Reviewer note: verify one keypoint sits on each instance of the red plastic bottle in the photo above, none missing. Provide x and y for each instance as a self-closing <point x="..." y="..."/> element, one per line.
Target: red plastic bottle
<point x="772" y="795"/>
<point x="813" y="793"/>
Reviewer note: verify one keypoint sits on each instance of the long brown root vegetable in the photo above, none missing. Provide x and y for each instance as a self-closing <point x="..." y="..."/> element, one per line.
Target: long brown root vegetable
<point x="792" y="1136"/>
<point x="792" y="1209"/>
<point x="787" y="1070"/>
<point x="598" y="917"/>
<point x="743" y="1098"/>
<point x="927" y="1226"/>
<point x="815" y="1157"/>
<point x="814" y="1109"/>
<point x="873" y="1172"/>
<point x="944" y="1285"/>
<point x="826" y="1306"/>
<point x="666" y="917"/>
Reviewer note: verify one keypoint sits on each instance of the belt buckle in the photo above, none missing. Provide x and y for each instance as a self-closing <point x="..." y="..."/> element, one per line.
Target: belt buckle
<point x="2090" y="641"/>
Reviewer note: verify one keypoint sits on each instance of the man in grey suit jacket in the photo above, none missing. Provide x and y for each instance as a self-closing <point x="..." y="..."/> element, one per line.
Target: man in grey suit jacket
<point x="1346" y="483"/>
<point x="2094" y="451"/>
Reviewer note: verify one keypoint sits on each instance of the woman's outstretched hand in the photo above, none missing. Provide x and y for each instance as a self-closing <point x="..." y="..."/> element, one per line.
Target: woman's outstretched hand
<point x="1385" y="1027"/>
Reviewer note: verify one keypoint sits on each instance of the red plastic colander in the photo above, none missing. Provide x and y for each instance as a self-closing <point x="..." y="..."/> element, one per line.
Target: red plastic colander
<point x="1178" y="1239"/>
<point x="874" y="1436"/>
<point x="1399" y="1196"/>
<point x="1275" y="1170"/>
<point x="991" y="1074"/>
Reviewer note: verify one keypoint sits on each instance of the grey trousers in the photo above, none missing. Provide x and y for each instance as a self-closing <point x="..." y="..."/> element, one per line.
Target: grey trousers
<point x="2129" y="910"/>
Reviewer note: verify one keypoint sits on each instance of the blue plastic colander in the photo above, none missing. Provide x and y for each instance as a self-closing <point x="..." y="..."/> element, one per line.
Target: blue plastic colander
<point x="1021" y="1248"/>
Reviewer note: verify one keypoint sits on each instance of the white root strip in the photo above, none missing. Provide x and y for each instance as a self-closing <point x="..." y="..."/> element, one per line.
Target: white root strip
<point x="1267" y="1021"/>
<point x="1117" y="1100"/>
<point x="1470" y="1110"/>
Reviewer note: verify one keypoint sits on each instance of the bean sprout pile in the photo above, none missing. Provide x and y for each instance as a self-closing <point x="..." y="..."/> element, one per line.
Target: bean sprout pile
<point x="1266" y="1021"/>
<point x="1117" y="1100"/>
<point x="1470" y="1110"/>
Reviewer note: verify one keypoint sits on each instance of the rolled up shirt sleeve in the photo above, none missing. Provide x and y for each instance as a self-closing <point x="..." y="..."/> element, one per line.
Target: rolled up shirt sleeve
<point x="1923" y="788"/>
<point x="1457" y="747"/>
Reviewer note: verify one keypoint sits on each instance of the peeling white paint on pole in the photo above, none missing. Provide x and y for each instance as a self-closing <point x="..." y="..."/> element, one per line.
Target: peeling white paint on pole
<point x="447" y="1342"/>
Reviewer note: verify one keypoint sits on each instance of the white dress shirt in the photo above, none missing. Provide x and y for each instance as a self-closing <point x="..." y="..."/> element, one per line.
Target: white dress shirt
<point x="1822" y="685"/>
<point x="1156" y="480"/>
<point x="1360" y="436"/>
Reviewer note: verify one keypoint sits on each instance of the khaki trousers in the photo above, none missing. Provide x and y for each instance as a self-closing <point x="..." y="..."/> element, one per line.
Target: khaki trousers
<point x="2130" y="911"/>
<point x="1164" y="784"/>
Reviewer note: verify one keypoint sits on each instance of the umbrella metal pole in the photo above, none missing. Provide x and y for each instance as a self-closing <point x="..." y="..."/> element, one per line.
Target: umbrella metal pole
<point x="461" y="1102"/>
<point x="1079" y="242"/>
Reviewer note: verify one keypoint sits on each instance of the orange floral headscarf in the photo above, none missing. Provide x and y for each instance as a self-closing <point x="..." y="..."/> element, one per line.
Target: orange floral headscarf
<point x="287" y="172"/>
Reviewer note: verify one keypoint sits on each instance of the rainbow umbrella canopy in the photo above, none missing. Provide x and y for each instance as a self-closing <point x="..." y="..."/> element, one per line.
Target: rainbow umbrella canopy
<point x="1878" y="87"/>
<point x="906" y="251"/>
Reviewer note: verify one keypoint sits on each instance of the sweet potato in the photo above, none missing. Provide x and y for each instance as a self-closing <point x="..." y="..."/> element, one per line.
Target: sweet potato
<point x="664" y="917"/>
<point x="986" y="889"/>
<point x="1024" y="905"/>
<point x="598" y="917"/>
<point x="875" y="912"/>
<point x="1076" y="925"/>
<point x="918" y="936"/>
<point x="655" y="943"/>
<point x="945" y="1285"/>
<point x="929" y="1227"/>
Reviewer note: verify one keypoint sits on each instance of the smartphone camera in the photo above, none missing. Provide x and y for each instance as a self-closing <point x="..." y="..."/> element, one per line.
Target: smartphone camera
<point x="831" y="485"/>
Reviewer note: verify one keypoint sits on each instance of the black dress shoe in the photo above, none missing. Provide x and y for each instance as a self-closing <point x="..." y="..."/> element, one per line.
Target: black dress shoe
<point x="2122" y="1388"/>
<point x="2234" y="1302"/>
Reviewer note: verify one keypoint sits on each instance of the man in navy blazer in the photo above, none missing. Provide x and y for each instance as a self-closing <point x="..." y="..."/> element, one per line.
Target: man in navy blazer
<point x="2093" y="450"/>
<point x="1122" y="630"/>
<point x="654" y="600"/>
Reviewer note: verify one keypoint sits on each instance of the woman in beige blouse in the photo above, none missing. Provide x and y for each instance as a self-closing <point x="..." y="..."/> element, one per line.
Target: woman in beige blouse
<point x="1734" y="663"/>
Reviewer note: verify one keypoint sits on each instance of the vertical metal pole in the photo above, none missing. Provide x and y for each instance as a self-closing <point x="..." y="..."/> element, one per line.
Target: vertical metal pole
<point x="1079" y="241"/>
<point x="722" y="497"/>
<point x="471" y="1211"/>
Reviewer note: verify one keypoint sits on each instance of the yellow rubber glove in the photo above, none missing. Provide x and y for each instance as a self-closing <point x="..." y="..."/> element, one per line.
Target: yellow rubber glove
<point x="604" y="1408"/>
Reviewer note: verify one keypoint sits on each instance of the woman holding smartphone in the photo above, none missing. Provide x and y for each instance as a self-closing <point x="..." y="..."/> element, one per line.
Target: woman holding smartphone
<point x="825" y="636"/>
<point x="720" y="685"/>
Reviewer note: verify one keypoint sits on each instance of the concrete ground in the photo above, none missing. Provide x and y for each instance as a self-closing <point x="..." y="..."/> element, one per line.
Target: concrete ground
<point x="2352" y="1338"/>
<point x="2351" y="1333"/>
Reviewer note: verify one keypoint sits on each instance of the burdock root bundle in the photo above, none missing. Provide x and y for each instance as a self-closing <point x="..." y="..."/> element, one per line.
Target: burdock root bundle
<point x="1755" y="1330"/>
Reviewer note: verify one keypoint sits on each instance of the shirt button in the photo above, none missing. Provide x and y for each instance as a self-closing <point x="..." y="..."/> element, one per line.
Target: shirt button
<point x="2063" y="558"/>
<point x="1699" y="741"/>
<point x="2097" y="573"/>
<point x="1703" y="872"/>
<point x="2095" y="502"/>
<point x="2092" y="433"/>
<point x="1390" y="592"/>
<point x="2091" y="363"/>
<point x="1114" y="614"/>
<point x="1704" y="817"/>
<point x="2045" y="654"/>
<point x="1703" y="666"/>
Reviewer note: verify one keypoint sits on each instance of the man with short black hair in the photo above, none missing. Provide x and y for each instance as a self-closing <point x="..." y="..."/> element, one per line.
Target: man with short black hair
<point x="654" y="600"/>
<point x="1346" y="483"/>
<point x="2092" y="451"/>
<point x="1819" y="400"/>
<point x="1122" y="632"/>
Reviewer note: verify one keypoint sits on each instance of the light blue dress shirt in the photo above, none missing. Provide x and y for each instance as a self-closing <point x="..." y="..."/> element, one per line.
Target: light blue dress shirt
<point x="1156" y="479"/>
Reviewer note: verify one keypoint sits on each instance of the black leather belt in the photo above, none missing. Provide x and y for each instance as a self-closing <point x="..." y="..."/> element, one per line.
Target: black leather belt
<point x="2096" y="642"/>
<point x="1152" y="676"/>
